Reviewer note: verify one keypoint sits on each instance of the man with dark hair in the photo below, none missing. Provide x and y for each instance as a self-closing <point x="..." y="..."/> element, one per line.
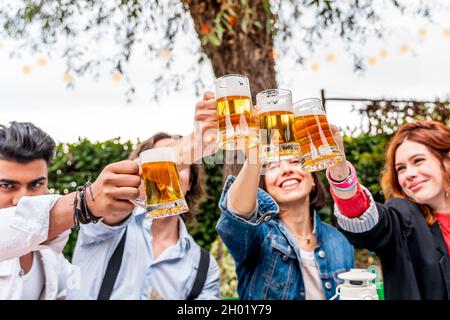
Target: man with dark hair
<point x="34" y="226"/>
<point x="25" y="153"/>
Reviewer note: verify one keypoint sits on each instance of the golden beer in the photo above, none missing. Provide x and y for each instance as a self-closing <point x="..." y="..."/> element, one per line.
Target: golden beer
<point x="237" y="127"/>
<point x="276" y="121"/>
<point x="164" y="196"/>
<point x="313" y="133"/>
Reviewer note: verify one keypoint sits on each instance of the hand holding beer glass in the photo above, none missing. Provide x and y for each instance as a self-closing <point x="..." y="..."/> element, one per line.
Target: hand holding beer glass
<point x="276" y="118"/>
<point x="164" y="197"/>
<point x="237" y="126"/>
<point x="312" y="131"/>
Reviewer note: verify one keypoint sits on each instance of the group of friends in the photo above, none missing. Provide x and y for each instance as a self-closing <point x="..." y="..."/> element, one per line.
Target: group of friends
<point x="269" y="223"/>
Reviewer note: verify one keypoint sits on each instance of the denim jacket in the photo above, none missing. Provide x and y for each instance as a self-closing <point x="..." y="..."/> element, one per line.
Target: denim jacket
<point x="267" y="258"/>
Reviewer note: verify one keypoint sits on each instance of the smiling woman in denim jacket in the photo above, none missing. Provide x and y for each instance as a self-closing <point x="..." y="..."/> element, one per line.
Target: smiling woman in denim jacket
<point x="281" y="247"/>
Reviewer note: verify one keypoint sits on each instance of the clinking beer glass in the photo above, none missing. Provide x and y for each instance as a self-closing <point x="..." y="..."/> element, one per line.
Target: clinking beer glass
<point x="312" y="131"/>
<point x="237" y="125"/>
<point x="164" y="196"/>
<point x="276" y="118"/>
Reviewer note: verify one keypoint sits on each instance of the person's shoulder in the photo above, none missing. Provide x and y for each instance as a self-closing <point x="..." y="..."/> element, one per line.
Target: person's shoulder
<point x="402" y="205"/>
<point x="195" y="251"/>
<point x="403" y="210"/>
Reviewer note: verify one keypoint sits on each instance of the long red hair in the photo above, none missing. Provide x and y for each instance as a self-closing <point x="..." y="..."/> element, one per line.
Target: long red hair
<point x="436" y="137"/>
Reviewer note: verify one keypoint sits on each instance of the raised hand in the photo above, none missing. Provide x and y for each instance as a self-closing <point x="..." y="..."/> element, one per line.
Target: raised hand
<point x="206" y="123"/>
<point x="338" y="138"/>
<point x="115" y="186"/>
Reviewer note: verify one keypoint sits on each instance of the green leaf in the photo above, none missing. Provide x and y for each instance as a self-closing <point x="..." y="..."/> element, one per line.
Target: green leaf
<point x="257" y="24"/>
<point x="214" y="40"/>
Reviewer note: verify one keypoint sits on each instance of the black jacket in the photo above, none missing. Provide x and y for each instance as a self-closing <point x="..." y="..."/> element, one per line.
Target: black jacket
<point x="413" y="254"/>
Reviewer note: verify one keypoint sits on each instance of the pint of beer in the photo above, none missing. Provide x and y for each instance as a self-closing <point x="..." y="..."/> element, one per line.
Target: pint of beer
<point x="237" y="126"/>
<point x="164" y="196"/>
<point x="276" y="118"/>
<point x="311" y="129"/>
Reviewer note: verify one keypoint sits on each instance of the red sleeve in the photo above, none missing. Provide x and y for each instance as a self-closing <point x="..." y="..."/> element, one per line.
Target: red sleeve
<point x="355" y="206"/>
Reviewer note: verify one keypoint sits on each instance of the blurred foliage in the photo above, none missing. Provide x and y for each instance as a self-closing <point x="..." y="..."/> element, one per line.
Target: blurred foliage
<point x="204" y="232"/>
<point x="385" y="117"/>
<point x="365" y="258"/>
<point x="77" y="163"/>
<point x="227" y="267"/>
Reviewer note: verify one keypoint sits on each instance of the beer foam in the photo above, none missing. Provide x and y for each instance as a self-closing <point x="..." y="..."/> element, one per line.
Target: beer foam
<point x="163" y="154"/>
<point x="232" y="85"/>
<point x="274" y="108"/>
<point x="308" y="107"/>
<point x="274" y="100"/>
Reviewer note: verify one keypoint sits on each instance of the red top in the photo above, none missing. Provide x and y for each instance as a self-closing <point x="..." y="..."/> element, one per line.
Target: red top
<point x="444" y="222"/>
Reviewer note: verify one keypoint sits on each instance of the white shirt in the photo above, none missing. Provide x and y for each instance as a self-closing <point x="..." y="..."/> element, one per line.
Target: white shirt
<point x="24" y="229"/>
<point x="170" y="276"/>
<point x="311" y="276"/>
<point x="33" y="281"/>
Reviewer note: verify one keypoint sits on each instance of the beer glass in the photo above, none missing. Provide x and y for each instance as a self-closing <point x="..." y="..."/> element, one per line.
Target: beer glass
<point x="237" y="126"/>
<point x="164" y="196"/>
<point x="313" y="133"/>
<point x="276" y="118"/>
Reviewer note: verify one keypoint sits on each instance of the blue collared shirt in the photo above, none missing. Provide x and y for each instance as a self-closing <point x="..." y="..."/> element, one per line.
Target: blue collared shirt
<point x="268" y="262"/>
<point x="170" y="276"/>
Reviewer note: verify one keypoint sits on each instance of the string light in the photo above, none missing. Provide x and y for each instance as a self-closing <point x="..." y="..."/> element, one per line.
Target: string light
<point x="165" y="54"/>
<point x="42" y="61"/>
<point x="67" y="77"/>
<point x="422" y="32"/>
<point x="372" y="60"/>
<point x="314" y="67"/>
<point x="383" y="53"/>
<point x="446" y="32"/>
<point x="117" y="76"/>
<point x="26" y="69"/>
<point x="404" y="49"/>
<point x="330" y="57"/>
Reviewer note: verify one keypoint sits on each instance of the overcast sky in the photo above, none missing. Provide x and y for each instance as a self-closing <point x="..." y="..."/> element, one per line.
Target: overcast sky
<point x="413" y="62"/>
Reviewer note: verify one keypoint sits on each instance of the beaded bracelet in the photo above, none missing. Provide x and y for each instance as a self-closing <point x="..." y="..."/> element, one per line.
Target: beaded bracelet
<point x="83" y="215"/>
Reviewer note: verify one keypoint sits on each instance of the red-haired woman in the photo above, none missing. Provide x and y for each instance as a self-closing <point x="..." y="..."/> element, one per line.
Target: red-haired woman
<point x="411" y="232"/>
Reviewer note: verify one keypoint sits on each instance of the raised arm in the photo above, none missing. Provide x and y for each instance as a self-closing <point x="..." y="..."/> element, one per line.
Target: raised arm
<point x="366" y="224"/>
<point x="116" y="185"/>
<point x="244" y="190"/>
<point x="201" y="142"/>
<point x="42" y="219"/>
<point x="340" y="172"/>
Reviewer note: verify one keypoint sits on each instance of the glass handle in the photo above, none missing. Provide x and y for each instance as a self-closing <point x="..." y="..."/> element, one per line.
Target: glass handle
<point x="138" y="203"/>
